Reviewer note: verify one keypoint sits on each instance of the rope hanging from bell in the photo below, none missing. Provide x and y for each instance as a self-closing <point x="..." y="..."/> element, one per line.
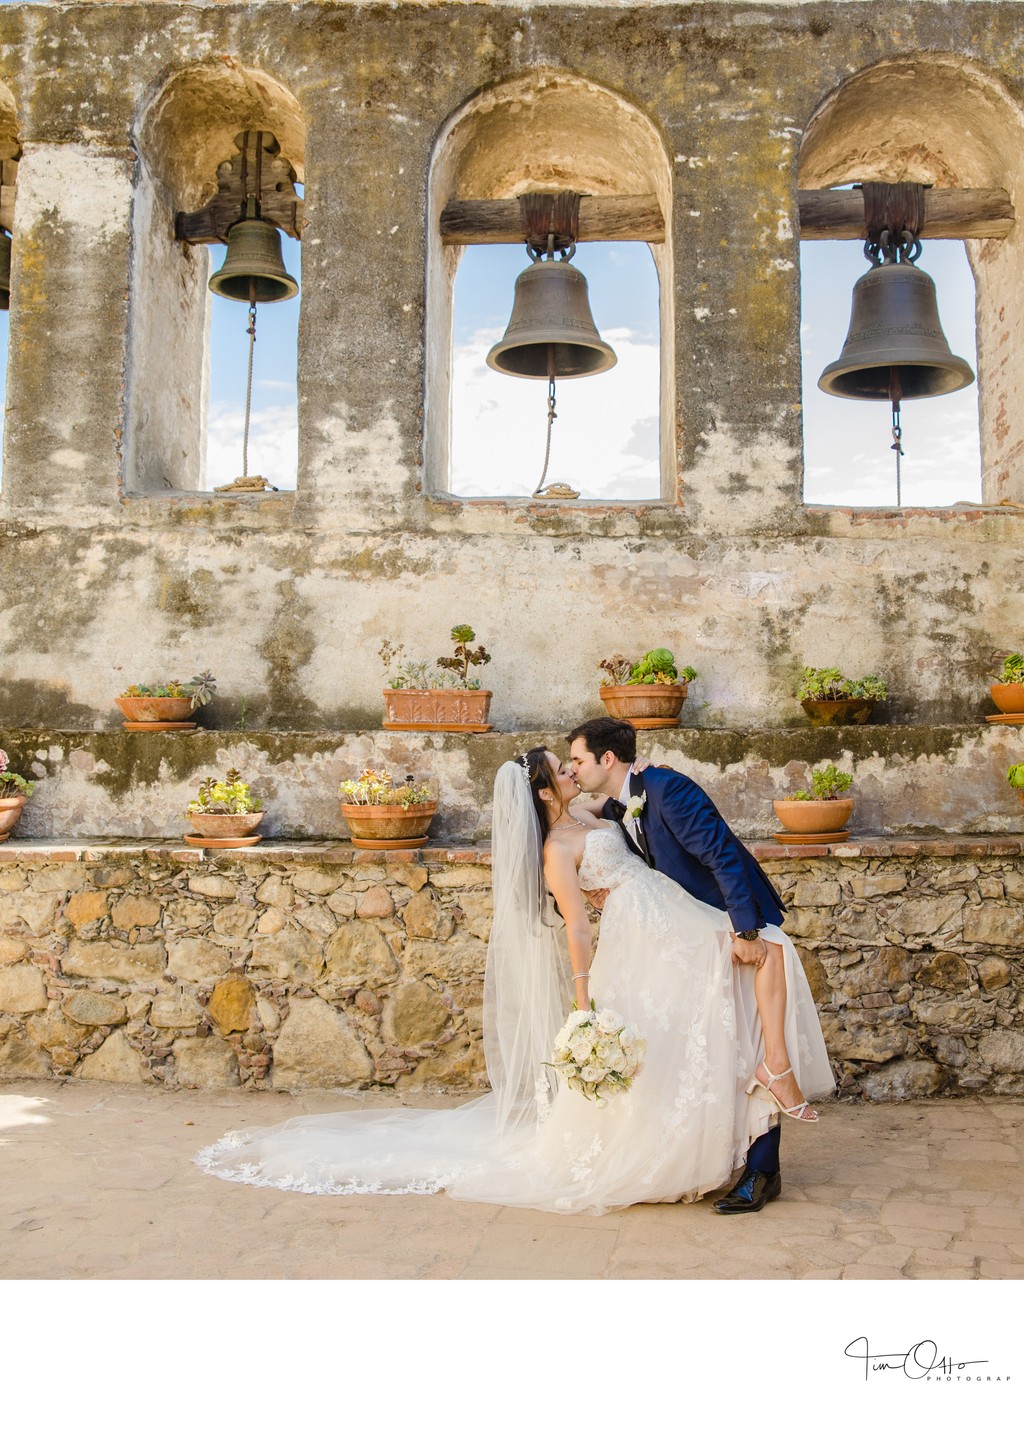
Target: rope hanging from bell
<point x="551" y="333"/>
<point x="253" y="273"/>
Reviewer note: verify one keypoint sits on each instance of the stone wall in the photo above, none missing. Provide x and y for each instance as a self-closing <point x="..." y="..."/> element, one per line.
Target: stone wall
<point x="907" y="779"/>
<point x="320" y="966"/>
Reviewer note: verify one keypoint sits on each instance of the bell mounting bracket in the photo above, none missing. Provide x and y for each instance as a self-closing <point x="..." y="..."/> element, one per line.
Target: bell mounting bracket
<point x="258" y="173"/>
<point x="894" y="216"/>
<point x="550" y="222"/>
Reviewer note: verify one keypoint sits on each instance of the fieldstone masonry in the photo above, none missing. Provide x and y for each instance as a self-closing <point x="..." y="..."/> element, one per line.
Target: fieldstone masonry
<point x="321" y="966"/>
<point x="304" y="963"/>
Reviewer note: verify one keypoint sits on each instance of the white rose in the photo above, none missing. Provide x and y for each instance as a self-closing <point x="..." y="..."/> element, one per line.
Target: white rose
<point x="608" y="1021"/>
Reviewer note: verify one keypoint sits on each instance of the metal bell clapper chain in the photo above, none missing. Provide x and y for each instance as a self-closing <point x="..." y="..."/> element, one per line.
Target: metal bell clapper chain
<point x="895" y="348"/>
<point x="908" y="251"/>
<point x="553" y="491"/>
<point x="551" y="333"/>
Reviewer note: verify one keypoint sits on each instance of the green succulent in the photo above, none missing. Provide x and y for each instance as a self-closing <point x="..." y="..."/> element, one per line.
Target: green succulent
<point x="1012" y="671"/>
<point x="227" y="795"/>
<point x="1015" y="775"/>
<point x="199" y="689"/>
<point x="827" y="782"/>
<point x="832" y="684"/>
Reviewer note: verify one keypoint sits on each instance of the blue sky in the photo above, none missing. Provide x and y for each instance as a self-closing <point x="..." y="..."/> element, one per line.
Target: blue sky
<point x="605" y="439"/>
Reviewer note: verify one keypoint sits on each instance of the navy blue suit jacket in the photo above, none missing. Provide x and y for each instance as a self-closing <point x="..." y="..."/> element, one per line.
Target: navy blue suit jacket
<point x="688" y="839"/>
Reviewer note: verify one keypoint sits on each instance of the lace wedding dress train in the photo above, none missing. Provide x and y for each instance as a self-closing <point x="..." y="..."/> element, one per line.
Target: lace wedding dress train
<point x="663" y="961"/>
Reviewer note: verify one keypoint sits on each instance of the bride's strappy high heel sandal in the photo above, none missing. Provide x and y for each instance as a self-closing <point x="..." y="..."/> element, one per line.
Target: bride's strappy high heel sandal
<point x="799" y="1111"/>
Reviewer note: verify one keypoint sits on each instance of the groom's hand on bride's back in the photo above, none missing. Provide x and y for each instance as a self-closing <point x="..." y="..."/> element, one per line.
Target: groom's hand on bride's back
<point x="595" y="897"/>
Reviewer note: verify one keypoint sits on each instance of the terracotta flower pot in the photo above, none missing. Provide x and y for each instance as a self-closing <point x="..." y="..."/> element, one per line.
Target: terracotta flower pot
<point x="449" y="710"/>
<point x="1008" y="698"/>
<point x="837" y="711"/>
<point x="10" y="812"/>
<point x="166" y="712"/>
<point x="813" y="816"/>
<point x="225" y="825"/>
<point x="388" y="825"/>
<point x="645" y="705"/>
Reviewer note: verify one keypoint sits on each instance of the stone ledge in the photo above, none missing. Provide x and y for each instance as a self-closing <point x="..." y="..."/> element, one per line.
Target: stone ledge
<point x="965" y="845"/>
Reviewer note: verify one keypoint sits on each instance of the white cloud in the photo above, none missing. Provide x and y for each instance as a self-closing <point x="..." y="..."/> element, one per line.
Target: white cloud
<point x="604" y="440"/>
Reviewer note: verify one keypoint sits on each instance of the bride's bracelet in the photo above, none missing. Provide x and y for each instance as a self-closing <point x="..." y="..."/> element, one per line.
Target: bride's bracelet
<point x="577" y="976"/>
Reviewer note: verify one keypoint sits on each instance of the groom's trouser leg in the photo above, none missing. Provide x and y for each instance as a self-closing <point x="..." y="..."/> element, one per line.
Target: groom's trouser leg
<point x="763" y="1153"/>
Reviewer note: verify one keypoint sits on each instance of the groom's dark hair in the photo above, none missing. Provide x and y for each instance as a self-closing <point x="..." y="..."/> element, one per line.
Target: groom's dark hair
<point x="603" y="734"/>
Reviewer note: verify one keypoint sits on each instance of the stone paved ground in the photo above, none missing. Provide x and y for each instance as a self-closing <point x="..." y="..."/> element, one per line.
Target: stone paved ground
<point x="97" y="1182"/>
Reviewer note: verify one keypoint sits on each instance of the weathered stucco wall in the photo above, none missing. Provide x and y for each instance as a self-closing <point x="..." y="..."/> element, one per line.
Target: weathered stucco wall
<point x="325" y="967"/>
<point x="104" y="581"/>
<point x="136" y="785"/>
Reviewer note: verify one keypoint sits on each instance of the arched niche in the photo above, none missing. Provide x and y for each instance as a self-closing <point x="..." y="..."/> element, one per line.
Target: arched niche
<point x="184" y="130"/>
<point x="937" y="119"/>
<point x="544" y="131"/>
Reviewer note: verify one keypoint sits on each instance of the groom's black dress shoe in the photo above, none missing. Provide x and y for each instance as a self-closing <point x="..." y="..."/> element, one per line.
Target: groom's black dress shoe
<point x="751" y="1193"/>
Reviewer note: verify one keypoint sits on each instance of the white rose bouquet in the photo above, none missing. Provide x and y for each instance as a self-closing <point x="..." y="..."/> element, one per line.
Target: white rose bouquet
<point x="598" y="1053"/>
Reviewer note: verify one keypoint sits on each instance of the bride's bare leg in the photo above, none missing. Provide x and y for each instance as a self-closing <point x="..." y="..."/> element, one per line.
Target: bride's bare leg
<point x="770" y="995"/>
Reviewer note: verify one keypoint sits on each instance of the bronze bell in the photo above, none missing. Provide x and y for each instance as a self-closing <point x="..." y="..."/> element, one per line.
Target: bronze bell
<point x="5" y="270"/>
<point x="894" y="326"/>
<point x="551" y="333"/>
<point x="253" y="269"/>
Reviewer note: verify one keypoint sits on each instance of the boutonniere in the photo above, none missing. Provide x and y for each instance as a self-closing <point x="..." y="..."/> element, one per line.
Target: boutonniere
<point x="635" y="806"/>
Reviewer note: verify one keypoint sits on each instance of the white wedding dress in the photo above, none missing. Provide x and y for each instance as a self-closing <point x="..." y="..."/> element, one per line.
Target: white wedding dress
<point x="663" y="961"/>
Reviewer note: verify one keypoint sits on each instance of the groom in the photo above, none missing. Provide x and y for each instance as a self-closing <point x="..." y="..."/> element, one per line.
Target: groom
<point x="679" y="831"/>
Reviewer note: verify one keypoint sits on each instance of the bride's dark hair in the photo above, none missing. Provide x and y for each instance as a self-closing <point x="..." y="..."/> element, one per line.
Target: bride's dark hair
<point x="541" y="775"/>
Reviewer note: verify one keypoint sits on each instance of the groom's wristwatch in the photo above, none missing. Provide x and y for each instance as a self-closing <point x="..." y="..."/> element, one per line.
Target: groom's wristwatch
<point x="748" y="935"/>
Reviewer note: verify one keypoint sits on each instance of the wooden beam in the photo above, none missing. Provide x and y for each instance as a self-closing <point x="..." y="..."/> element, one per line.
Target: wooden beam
<point x="824" y="214"/>
<point x="258" y="154"/>
<point x="948" y="214"/>
<point x="619" y="217"/>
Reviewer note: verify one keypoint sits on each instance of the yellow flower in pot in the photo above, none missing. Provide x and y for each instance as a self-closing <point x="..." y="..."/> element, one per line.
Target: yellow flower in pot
<point x="226" y="814"/>
<point x="383" y="814"/>
<point x="14" y="791"/>
<point x="819" y="816"/>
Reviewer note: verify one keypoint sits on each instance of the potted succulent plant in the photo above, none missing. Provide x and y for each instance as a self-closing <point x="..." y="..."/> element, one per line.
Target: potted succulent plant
<point x="1008" y="692"/>
<point x="383" y="814"/>
<point x="820" y="815"/>
<point x="1015" y="778"/>
<point x="165" y="706"/>
<point x="226" y="813"/>
<point x="827" y="697"/>
<point x="648" y="693"/>
<point x="440" y="696"/>
<point x="14" y="790"/>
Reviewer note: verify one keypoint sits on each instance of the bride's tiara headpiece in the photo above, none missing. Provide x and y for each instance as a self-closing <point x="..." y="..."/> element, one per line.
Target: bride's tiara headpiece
<point x="524" y="760"/>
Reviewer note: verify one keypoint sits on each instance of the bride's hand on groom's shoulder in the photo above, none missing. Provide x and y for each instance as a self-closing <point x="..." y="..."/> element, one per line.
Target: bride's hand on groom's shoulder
<point x="639" y="764"/>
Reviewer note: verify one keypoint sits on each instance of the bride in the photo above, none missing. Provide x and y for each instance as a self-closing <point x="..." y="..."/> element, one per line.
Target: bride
<point x="663" y="960"/>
